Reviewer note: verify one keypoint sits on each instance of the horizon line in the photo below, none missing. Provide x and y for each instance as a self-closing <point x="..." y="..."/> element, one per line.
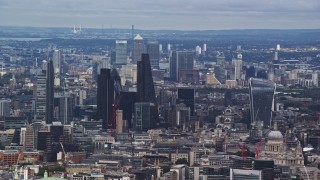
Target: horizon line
<point x="240" y="29"/>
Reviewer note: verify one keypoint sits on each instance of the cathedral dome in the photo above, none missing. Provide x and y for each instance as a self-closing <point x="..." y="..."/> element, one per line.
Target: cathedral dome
<point x="275" y="135"/>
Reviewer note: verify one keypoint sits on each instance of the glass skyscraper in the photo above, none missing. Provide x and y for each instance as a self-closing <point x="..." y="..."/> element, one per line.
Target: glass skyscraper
<point x="261" y="101"/>
<point x="121" y="52"/>
<point x="105" y="97"/>
<point x="138" y="48"/>
<point x="49" y="93"/>
<point x="154" y="53"/>
<point x="180" y="60"/>
<point x="145" y="88"/>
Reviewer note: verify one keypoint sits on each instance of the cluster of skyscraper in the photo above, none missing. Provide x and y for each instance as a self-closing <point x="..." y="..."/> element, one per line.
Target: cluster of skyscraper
<point x="145" y="104"/>
<point x="118" y="107"/>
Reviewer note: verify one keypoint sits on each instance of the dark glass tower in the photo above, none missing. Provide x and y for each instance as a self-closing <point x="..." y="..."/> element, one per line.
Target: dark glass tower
<point x="49" y="93"/>
<point x="126" y="104"/>
<point x="180" y="60"/>
<point x="186" y="96"/>
<point x="145" y="87"/>
<point x="154" y="53"/>
<point x="105" y="97"/>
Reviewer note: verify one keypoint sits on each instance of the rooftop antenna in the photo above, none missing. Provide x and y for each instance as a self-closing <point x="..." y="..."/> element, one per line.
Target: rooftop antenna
<point x="132" y="31"/>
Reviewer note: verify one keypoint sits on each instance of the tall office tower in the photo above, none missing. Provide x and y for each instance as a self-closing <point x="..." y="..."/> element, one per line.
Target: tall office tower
<point x="180" y="60"/>
<point x="154" y="53"/>
<point x="95" y="66"/>
<point x="138" y="48"/>
<point x="5" y="107"/>
<point x="126" y="103"/>
<point x="105" y="97"/>
<point x="41" y="97"/>
<point x="49" y="93"/>
<point x="221" y="59"/>
<point x="56" y="66"/>
<point x="275" y="60"/>
<point x="145" y="87"/>
<point x="121" y="52"/>
<point x="204" y="47"/>
<point x="261" y="95"/>
<point x="237" y="63"/>
<point x="143" y="116"/>
<point x="315" y="79"/>
<point x="29" y="138"/>
<point x="186" y="96"/>
<point x="119" y="124"/>
<point x="64" y="108"/>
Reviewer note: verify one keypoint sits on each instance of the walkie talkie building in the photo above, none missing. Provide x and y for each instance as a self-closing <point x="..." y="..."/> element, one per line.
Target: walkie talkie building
<point x="261" y="101"/>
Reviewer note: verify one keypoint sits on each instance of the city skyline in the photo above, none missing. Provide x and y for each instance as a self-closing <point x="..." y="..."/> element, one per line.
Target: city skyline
<point x="173" y="15"/>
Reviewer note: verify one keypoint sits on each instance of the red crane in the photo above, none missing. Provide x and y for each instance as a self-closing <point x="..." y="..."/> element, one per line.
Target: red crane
<point x="258" y="148"/>
<point x="243" y="151"/>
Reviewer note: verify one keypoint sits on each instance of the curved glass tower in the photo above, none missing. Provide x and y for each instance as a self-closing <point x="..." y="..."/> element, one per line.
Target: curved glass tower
<point x="261" y="101"/>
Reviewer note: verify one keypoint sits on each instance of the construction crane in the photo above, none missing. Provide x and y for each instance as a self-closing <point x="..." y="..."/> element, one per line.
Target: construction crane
<point x="306" y="172"/>
<point x="65" y="155"/>
<point x="243" y="151"/>
<point x="258" y="148"/>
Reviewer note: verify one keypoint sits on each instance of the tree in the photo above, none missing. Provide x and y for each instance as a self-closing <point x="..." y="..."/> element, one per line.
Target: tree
<point x="182" y="161"/>
<point x="165" y="169"/>
<point x="57" y="168"/>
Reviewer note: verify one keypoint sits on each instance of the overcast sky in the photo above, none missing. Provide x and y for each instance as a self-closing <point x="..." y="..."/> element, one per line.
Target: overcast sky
<point x="163" y="14"/>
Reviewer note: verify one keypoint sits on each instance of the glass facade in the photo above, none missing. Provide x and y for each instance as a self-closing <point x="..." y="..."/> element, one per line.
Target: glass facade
<point x="154" y="53"/>
<point x="261" y="100"/>
<point x="121" y="52"/>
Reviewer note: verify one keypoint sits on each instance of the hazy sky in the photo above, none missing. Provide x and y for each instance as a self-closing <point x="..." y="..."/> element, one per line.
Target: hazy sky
<point x="163" y="14"/>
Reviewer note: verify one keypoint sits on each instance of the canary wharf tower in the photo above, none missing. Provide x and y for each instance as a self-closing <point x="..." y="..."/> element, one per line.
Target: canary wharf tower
<point x="261" y="101"/>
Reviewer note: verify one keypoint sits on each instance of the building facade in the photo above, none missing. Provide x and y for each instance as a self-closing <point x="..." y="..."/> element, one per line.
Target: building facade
<point x="261" y="95"/>
<point x="121" y="52"/>
<point x="154" y="53"/>
<point x="105" y="99"/>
